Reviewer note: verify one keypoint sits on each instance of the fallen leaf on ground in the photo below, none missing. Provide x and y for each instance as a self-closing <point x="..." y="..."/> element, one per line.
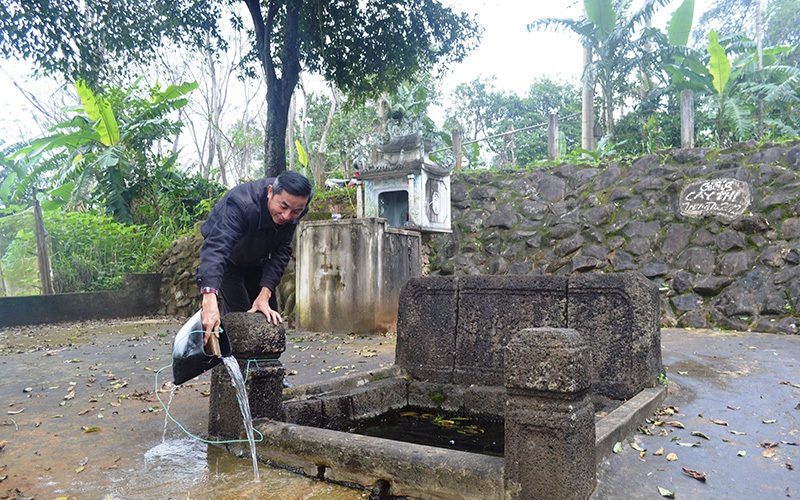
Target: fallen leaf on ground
<point x="670" y="410"/>
<point x="741" y="453"/>
<point x="672" y="423"/>
<point x="768" y="444"/>
<point x="84" y="412"/>
<point x="659" y="452"/>
<point x="790" y="443"/>
<point x="736" y="408"/>
<point x="90" y="429"/>
<point x="768" y="453"/>
<point x="672" y="457"/>
<point x="689" y="445"/>
<point x="770" y="421"/>
<point x="739" y="433"/>
<point x="3" y="445"/>
<point x="719" y="422"/>
<point x="636" y="447"/>
<point x="695" y="474"/>
<point x="789" y="465"/>
<point x="700" y="434"/>
<point x="16" y="412"/>
<point x="665" y="492"/>
<point x="797" y="386"/>
<point x="617" y="447"/>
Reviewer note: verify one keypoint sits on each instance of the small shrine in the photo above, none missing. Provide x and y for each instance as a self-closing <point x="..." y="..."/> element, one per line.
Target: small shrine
<point x="404" y="186"/>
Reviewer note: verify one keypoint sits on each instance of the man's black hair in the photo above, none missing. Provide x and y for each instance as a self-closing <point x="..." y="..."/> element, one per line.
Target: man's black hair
<point x="293" y="183"/>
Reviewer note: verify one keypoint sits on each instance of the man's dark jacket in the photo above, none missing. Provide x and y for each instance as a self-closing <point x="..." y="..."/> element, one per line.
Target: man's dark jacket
<point x="240" y="230"/>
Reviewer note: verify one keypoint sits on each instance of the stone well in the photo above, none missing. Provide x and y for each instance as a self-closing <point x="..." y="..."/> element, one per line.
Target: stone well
<point x="538" y="352"/>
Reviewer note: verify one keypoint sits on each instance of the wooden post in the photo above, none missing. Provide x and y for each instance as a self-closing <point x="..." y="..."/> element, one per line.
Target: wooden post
<point x="41" y="248"/>
<point x="457" y="149"/>
<point x="553" y="150"/>
<point x="687" y="119"/>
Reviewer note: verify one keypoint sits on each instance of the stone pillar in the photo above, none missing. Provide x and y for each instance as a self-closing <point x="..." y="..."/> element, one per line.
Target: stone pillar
<point x="549" y="422"/>
<point x="260" y="343"/>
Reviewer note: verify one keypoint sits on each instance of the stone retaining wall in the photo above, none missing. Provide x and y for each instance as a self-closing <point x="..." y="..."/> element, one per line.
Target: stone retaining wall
<point x="714" y="267"/>
<point x="712" y="271"/>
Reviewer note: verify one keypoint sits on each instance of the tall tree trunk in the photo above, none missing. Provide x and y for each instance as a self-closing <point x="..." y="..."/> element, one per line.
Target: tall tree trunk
<point x="42" y="255"/>
<point x="318" y="164"/>
<point x="279" y="90"/>
<point x="687" y="119"/>
<point x="587" y="108"/>
<point x="760" y="53"/>
<point x="290" y="133"/>
<point x="275" y="145"/>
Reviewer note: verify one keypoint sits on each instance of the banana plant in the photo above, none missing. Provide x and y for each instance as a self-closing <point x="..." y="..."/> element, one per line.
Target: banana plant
<point x="97" y="156"/>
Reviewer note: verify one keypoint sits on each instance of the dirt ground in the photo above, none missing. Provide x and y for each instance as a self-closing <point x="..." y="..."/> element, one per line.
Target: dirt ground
<point x="82" y="417"/>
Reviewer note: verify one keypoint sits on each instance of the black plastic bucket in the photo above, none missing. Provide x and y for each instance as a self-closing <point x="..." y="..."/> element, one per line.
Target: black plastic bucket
<point x="189" y="358"/>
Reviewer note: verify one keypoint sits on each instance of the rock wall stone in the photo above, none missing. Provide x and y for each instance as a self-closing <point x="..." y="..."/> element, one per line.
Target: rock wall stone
<point x="738" y="272"/>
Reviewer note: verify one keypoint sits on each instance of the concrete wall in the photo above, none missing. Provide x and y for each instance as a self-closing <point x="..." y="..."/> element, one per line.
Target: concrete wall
<point x="350" y="272"/>
<point x="139" y="296"/>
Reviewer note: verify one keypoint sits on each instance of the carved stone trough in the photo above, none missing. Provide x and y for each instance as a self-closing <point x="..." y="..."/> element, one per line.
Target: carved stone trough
<point x="542" y="353"/>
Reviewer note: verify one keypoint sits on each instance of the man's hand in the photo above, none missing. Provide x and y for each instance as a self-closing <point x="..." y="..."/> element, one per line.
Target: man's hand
<point x="210" y="315"/>
<point x="262" y="304"/>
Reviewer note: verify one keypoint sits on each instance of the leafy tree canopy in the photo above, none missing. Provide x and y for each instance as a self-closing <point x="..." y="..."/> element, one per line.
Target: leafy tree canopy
<point x="361" y="47"/>
<point x="95" y="39"/>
